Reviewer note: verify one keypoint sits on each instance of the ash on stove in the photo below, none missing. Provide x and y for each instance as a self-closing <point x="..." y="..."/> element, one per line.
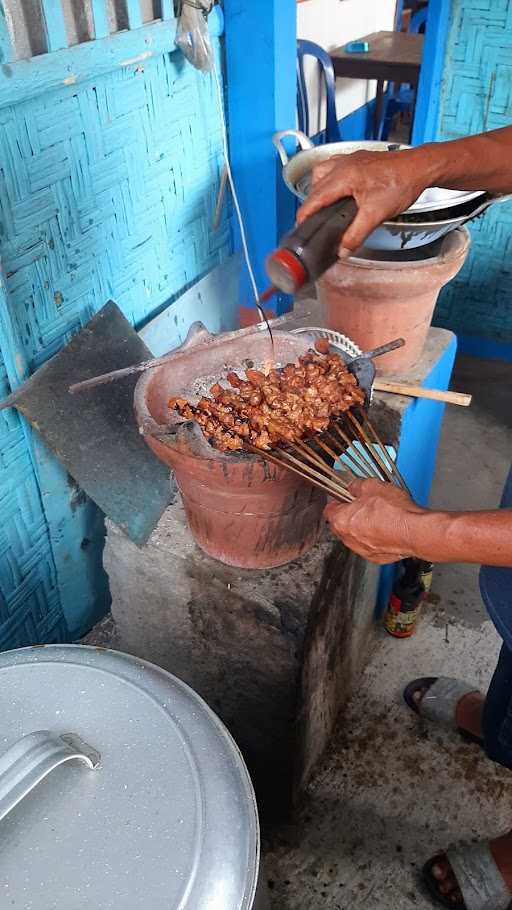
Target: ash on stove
<point x="201" y="386"/>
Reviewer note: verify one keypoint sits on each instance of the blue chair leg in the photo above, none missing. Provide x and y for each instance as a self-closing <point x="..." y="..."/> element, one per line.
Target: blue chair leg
<point x="387" y="121"/>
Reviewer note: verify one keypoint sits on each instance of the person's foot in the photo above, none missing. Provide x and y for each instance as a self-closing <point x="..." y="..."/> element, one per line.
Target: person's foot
<point x="469" y="711"/>
<point x="501" y="849"/>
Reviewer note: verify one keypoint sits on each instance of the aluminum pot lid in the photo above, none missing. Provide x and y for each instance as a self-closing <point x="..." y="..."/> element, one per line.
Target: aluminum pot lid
<point x="167" y="820"/>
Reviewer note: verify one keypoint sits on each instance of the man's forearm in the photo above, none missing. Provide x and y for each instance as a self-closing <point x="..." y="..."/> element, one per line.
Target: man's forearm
<point x="476" y="537"/>
<point x="481" y="162"/>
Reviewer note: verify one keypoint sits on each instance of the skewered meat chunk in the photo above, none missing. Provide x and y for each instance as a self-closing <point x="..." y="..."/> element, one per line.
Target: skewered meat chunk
<point x="282" y="407"/>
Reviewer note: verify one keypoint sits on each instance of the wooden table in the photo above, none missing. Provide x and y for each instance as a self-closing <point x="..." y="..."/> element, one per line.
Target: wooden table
<point x="392" y="57"/>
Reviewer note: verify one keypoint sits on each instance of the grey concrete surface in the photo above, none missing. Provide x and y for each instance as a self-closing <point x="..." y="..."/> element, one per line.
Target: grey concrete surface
<point x="392" y="791"/>
<point x="275" y="652"/>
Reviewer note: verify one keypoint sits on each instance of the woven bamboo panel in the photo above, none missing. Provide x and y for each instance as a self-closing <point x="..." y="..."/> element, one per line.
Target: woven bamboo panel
<point x="477" y="96"/>
<point x="106" y="191"/>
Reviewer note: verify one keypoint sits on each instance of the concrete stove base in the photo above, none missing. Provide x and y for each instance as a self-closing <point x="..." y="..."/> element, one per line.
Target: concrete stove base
<point x="274" y="652"/>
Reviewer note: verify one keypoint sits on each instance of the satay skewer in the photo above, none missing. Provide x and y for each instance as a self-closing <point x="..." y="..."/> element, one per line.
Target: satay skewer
<point x="269" y="456"/>
<point x="394" y="465"/>
<point x="337" y="487"/>
<point x="362" y="454"/>
<point x="371" y="449"/>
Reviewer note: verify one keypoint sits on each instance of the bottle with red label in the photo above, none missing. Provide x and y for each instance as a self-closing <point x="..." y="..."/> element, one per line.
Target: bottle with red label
<point x="402" y="612"/>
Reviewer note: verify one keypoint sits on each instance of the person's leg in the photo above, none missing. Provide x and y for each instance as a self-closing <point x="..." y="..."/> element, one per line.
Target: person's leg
<point x="468" y="713"/>
<point x="488" y="717"/>
<point x="497" y="712"/>
<point x="494" y="716"/>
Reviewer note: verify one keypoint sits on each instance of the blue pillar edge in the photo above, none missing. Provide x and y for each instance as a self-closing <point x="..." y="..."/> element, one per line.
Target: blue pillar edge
<point x="260" y="42"/>
<point x="417" y="450"/>
<point x="426" y="117"/>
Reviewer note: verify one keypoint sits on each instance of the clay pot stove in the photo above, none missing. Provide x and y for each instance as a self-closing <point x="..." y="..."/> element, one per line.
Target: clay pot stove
<point x="241" y="510"/>
<point x="378" y="295"/>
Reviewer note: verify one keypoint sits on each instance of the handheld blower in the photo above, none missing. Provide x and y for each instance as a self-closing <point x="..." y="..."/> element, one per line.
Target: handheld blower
<point x="310" y="248"/>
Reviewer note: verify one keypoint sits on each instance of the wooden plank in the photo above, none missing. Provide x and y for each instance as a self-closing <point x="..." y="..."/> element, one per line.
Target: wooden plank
<point x="6" y="50"/>
<point x="100" y="19"/>
<point x="134" y="12"/>
<point x="55" y="26"/>
<point x="27" y="79"/>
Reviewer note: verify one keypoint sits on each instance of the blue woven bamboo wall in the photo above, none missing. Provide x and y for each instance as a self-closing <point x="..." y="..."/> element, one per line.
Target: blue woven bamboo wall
<point x="107" y="190"/>
<point x="477" y="96"/>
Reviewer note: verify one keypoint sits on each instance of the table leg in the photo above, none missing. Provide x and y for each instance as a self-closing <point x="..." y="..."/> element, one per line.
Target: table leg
<point x="377" y="112"/>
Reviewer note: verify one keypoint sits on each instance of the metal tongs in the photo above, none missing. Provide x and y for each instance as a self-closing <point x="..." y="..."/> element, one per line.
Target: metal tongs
<point x="202" y="338"/>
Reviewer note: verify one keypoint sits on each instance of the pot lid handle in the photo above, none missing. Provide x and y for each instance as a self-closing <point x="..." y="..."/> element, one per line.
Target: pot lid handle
<point x="303" y="140"/>
<point x="33" y="757"/>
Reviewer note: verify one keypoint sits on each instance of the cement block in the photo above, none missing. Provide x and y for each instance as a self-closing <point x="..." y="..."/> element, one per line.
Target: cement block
<point x="275" y="653"/>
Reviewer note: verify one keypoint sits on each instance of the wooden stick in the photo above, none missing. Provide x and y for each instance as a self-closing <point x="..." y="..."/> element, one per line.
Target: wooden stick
<point x="301" y="449"/>
<point x="394" y="466"/>
<point x="282" y="464"/>
<point x="316" y="459"/>
<point x="356" y="458"/>
<point x="353" y="466"/>
<point x="335" y="486"/>
<point x="370" y="448"/>
<point x="327" y="449"/>
<point x="417" y="391"/>
<point x="363" y="455"/>
<point x="172" y="357"/>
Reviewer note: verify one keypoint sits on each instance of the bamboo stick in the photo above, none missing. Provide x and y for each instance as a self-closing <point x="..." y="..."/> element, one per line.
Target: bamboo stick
<point x="370" y="448"/>
<point x="268" y="456"/>
<point x="394" y="465"/>
<point x="417" y="391"/>
<point x="353" y="465"/>
<point x="337" y="487"/>
<point x="363" y="455"/>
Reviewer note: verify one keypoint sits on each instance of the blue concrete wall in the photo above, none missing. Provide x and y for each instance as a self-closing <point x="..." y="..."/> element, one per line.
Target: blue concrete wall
<point x="107" y="189"/>
<point x="476" y="95"/>
<point x="418" y="445"/>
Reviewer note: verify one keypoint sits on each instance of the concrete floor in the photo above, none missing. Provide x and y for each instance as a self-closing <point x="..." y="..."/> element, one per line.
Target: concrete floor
<point x="393" y="791"/>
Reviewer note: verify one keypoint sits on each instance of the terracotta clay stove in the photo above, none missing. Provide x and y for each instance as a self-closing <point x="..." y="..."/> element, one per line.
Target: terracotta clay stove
<point x="375" y="296"/>
<point x="241" y="510"/>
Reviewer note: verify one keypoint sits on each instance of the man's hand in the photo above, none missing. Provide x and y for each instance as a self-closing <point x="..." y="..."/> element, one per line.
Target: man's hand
<point x="383" y="184"/>
<point x="377" y="525"/>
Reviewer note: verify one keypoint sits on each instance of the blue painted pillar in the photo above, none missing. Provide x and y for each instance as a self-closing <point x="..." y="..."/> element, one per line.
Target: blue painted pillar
<point x="417" y="448"/>
<point x="261" y="93"/>
<point x="426" y="117"/>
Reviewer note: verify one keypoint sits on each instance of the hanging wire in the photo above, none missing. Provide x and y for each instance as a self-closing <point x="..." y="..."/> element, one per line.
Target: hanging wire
<point x="236" y="203"/>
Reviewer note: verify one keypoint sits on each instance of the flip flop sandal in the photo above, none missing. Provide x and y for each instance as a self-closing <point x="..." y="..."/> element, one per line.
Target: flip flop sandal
<point x="439" y="703"/>
<point x="479" y="880"/>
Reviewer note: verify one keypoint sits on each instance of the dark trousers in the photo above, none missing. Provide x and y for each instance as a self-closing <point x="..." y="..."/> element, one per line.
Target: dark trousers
<point x="497" y="717"/>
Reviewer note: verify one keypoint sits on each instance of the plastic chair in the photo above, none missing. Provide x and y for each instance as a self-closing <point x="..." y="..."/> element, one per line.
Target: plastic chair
<point x="309" y="49"/>
<point x="418" y="19"/>
<point x="399" y="99"/>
